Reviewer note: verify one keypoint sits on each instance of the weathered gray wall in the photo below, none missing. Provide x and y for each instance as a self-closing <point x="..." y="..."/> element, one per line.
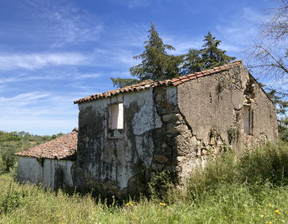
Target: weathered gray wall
<point x="215" y="104"/>
<point x="31" y="170"/>
<point x="110" y="164"/>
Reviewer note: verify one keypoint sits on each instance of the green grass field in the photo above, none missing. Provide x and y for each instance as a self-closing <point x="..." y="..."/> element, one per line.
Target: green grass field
<point x="248" y="189"/>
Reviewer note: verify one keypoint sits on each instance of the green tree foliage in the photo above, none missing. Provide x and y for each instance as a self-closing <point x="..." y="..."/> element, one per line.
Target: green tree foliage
<point x="12" y="142"/>
<point x="208" y="57"/>
<point x="156" y="64"/>
<point x="211" y="55"/>
<point x="120" y="83"/>
<point x="281" y="107"/>
<point x="8" y="150"/>
<point x="192" y="62"/>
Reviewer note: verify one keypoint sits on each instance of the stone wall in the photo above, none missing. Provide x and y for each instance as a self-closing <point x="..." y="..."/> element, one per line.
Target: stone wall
<point x="113" y="165"/>
<point x="177" y="149"/>
<point x="206" y="117"/>
<point x="215" y="105"/>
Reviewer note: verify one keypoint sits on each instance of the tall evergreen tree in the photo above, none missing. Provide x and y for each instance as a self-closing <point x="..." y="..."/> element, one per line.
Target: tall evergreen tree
<point x="192" y="62"/>
<point x="211" y="55"/>
<point x="156" y="63"/>
<point x="208" y="57"/>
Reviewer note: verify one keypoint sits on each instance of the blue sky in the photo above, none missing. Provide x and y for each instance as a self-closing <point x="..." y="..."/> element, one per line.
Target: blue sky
<point x="53" y="52"/>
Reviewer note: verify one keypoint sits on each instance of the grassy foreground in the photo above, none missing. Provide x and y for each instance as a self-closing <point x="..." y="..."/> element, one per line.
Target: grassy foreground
<point x="249" y="189"/>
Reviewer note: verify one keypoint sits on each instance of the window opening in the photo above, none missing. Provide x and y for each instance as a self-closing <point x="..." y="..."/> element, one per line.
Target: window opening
<point x="116" y="116"/>
<point x="248" y="120"/>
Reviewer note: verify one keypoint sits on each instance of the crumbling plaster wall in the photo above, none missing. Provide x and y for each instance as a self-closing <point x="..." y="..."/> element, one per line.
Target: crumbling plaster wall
<point x="215" y="104"/>
<point x="265" y="126"/>
<point x="31" y="170"/>
<point x="111" y="164"/>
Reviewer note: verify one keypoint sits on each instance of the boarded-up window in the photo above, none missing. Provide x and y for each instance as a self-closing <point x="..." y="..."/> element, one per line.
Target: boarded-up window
<point x="248" y="120"/>
<point x="116" y="116"/>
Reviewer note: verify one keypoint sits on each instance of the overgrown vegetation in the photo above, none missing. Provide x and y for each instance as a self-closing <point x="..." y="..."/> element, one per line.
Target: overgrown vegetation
<point x="248" y="188"/>
<point x="12" y="142"/>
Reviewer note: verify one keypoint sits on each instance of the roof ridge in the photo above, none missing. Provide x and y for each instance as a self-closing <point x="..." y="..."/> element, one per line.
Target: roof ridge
<point x="63" y="147"/>
<point x="146" y="84"/>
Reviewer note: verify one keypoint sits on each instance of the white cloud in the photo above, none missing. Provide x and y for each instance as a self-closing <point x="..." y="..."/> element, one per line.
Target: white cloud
<point x="134" y="3"/>
<point x="39" y="113"/>
<point x="23" y="99"/>
<point x="240" y="29"/>
<point x="87" y="75"/>
<point x="64" y="22"/>
<point x="39" y="60"/>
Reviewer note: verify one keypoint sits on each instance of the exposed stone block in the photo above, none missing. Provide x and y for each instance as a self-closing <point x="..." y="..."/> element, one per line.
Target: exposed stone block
<point x="161" y="158"/>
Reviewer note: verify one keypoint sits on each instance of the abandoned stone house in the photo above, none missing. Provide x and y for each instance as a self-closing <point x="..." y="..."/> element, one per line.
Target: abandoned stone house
<point x="130" y="134"/>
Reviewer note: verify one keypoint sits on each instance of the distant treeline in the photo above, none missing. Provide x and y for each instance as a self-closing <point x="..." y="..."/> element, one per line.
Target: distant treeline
<point x="12" y="142"/>
<point x="25" y="136"/>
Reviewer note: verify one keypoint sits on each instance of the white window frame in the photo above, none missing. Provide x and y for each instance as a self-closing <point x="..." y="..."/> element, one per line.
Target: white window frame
<point x="116" y="116"/>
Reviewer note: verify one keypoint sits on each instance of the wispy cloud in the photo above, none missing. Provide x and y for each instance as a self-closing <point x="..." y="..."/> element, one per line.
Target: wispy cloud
<point x="23" y="99"/>
<point x="39" y="60"/>
<point x="65" y="22"/>
<point x="241" y="28"/>
<point x="87" y="75"/>
<point x="134" y="3"/>
<point x="38" y="112"/>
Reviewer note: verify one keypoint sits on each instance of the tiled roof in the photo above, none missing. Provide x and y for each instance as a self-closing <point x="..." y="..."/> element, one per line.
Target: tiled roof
<point x="63" y="148"/>
<point x="149" y="83"/>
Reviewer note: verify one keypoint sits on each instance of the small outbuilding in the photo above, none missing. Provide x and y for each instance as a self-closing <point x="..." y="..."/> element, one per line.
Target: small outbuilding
<point x="49" y="163"/>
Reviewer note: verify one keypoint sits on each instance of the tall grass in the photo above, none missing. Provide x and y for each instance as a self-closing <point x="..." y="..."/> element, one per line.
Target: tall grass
<point x="248" y="189"/>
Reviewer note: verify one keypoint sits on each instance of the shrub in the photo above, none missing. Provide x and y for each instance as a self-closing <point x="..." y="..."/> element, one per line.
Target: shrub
<point x="7" y="153"/>
<point x="268" y="163"/>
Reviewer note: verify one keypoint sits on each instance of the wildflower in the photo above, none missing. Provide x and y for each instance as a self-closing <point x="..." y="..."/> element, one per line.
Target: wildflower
<point x="162" y="204"/>
<point x="269" y="222"/>
<point x="270" y="204"/>
<point x="262" y="216"/>
<point x="277" y="211"/>
<point x="129" y="203"/>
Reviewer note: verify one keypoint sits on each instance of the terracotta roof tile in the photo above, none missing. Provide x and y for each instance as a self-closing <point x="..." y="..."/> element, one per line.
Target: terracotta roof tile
<point x="150" y="83"/>
<point x="60" y="148"/>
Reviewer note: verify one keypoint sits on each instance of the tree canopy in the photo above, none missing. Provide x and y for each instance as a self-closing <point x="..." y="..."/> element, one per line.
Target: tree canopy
<point x="156" y="64"/>
<point x="208" y="57"/>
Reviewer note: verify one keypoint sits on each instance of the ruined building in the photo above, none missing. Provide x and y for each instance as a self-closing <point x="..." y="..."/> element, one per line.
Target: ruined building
<point x="128" y="135"/>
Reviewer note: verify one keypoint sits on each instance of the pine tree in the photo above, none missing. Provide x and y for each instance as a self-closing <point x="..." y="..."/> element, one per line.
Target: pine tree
<point x="208" y="57"/>
<point x="156" y="63"/>
<point x="211" y="55"/>
<point x="192" y="62"/>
